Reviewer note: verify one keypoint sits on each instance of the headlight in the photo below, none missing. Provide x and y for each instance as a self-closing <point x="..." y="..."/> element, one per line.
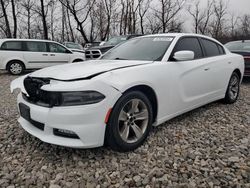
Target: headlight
<point x="76" y="98"/>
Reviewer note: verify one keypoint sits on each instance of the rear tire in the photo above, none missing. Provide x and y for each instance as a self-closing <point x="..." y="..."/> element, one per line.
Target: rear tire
<point x="15" y="67"/>
<point x="233" y="89"/>
<point x="130" y="122"/>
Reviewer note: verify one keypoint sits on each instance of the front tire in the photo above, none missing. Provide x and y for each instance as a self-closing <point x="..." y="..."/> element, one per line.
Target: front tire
<point x="233" y="89"/>
<point x="15" y="68"/>
<point x="130" y="122"/>
<point x="78" y="60"/>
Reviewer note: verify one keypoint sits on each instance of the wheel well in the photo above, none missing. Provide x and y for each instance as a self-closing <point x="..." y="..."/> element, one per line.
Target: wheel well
<point x="14" y="60"/>
<point x="77" y="60"/>
<point x="237" y="71"/>
<point x="149" y="92"/>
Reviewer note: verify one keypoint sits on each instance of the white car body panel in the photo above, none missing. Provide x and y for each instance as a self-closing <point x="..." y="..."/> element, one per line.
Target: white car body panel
<point x="179" y="87"/>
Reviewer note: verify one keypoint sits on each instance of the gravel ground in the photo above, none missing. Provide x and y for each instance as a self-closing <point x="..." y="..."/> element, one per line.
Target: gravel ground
<point x="208" y="147"/>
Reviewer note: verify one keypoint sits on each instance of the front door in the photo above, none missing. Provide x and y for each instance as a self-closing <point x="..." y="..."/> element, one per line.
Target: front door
<point x="57" y="54"/>
<point x="192" y="79"/>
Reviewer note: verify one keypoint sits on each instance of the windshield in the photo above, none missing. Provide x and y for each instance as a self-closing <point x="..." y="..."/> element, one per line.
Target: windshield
<point x="115" y="40"/>
<point x="73" y="46"/>
<point x="144" y="49"/>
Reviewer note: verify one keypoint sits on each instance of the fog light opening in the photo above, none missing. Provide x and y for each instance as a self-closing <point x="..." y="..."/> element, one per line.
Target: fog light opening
<point x="65" y="133"/>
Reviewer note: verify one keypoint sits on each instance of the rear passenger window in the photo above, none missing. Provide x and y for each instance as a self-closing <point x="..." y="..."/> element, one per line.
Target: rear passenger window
<point x="211" y="48"/>
<point x="190" y="44"/>
<point x="221" y="49"/>
<point x="36" y="46"/>
<point x="12" y="45"/>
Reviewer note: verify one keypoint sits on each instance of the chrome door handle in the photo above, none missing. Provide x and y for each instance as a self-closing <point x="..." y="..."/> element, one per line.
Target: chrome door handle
<point x="45" y="54"/>
<point x="52" y="54"/>
<point x="206" y="69"/>
<point x="229" y="63"/>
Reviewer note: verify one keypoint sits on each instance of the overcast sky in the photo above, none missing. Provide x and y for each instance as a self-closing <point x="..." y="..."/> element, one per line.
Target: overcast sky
<point x="239" y="7"/>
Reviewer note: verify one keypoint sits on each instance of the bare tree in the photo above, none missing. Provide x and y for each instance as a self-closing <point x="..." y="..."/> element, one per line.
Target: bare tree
<point x="42" y="11"/>
<point x="197" y="15"/>
<point x="14" y="18"/>
<point x="144" y="6"/>
<point x="80" y="11"/>
<point x="28" y="5"/>
<point x="102" y="16"/>
<point x="208" y="13"/>
<point x="6" y="29"/>
<point x="129" y="16"/>
<point x="220" y="11"/>
<point x="168" y="10"/>
<point x="234" y="21"/>
<point x="245" y="25"/>
<point x="70" y="26"/>
<point x="153" y="25"/>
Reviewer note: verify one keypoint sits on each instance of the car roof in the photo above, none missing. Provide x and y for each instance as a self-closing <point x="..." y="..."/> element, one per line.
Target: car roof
<point x="37" y="40"/>
<point x="182" y="35"/>
<point x="239" y="41"/>
<point x="177" y="35"/>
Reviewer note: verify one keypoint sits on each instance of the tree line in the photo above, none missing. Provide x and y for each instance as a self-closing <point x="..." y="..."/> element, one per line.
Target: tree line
<point x="97" y="20"/>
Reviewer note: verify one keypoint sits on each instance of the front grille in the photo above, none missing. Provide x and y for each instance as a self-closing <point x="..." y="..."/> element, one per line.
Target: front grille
<point x="25" y="113"/>
<point x="93" y="54"/>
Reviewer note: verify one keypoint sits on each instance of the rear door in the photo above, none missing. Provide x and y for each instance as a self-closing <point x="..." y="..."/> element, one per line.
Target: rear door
<point x="35" y="54"/>
<point x="58" y="54"/>
<point x="218" y="67"/>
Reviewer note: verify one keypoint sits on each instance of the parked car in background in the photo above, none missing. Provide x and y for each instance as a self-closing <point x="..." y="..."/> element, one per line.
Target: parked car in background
<point x="243" y="48"/>
<point x="96" y="52"/>
<point x="90" y="45"/>
<point x="118" y="98"/>
<point x="17" y="55"/>
<point x="74" y="47"/>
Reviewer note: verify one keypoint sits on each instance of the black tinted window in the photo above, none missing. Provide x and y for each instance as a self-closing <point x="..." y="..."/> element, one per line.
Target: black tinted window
<point x="36" y="46"/>
<point x="12" y="45"/>
<point x="211" y="48"/>
<point x="190" y="44"/>
<point x="56" y="48"/>
<point x="221" y="49"/>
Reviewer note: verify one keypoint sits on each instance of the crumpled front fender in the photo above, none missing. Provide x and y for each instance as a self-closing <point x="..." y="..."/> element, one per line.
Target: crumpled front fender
<point x="18" y="84"/>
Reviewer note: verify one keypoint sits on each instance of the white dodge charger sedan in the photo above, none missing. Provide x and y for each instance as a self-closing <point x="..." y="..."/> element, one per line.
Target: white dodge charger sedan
<point x="116" y="99"/>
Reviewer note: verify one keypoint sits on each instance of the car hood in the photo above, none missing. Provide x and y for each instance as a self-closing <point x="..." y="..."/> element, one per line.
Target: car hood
<point x="84" y="70"/>
<point x="77" y="50"/>
<point x="103" y="49"/>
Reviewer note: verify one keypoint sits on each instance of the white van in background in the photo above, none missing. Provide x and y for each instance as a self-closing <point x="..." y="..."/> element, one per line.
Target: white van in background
<point x="17" y="55"/>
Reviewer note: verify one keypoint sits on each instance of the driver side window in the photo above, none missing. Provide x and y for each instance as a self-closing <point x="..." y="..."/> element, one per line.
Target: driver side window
<point x="56" y="48"/>
<point x="188" y="44"/>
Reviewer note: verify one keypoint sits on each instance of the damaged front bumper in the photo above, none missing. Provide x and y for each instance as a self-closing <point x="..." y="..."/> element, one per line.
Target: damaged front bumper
<point x="79" y="126"/>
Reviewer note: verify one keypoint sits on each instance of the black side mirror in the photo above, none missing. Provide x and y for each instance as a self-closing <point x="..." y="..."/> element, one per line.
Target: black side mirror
<point x="68" y="52"/>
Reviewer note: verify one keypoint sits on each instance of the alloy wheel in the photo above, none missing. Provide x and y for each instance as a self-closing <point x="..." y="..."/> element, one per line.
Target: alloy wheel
<point x="234" y="87"/>
<point x="133" y="120"/>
